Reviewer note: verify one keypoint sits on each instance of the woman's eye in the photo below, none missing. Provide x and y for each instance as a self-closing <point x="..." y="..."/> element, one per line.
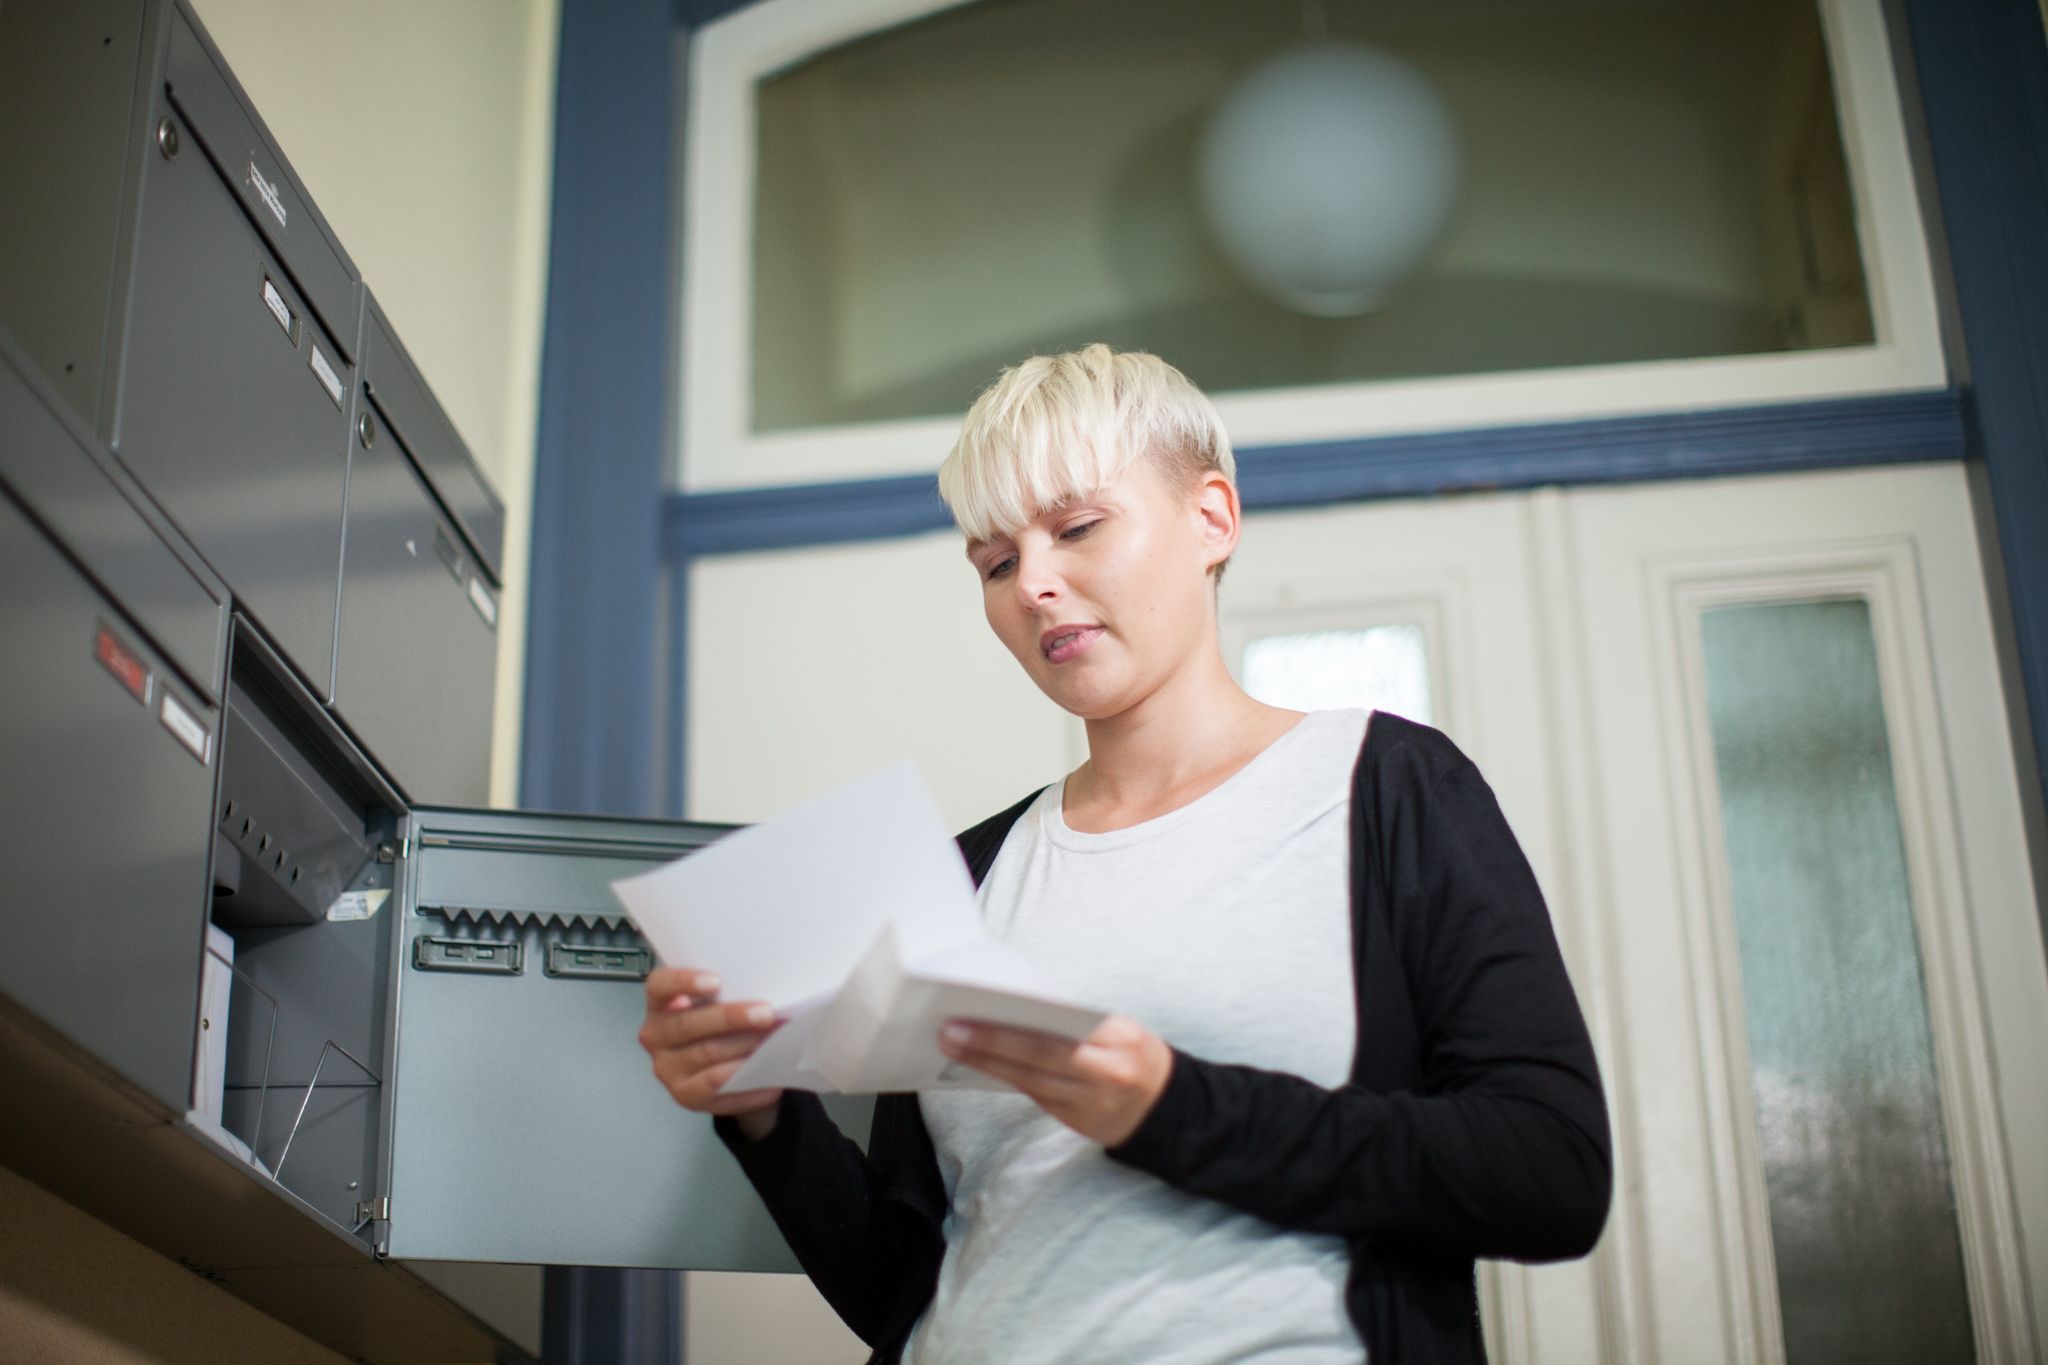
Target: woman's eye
<point x="1076" y="532"/>
<point x="999" y="568"/>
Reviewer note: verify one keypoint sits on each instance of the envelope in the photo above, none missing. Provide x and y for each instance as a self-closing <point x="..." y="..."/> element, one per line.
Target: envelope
<point x="854" y="916"/>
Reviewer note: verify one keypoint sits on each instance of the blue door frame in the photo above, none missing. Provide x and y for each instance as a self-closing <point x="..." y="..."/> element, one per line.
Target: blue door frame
<point x="612" y="543"/>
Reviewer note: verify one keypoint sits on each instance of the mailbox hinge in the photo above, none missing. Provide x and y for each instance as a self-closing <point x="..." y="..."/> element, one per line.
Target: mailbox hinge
<point x="373" y="1210"/>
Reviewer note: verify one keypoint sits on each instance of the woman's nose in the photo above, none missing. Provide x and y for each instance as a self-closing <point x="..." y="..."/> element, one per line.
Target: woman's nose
<point x="1037" y="584"/>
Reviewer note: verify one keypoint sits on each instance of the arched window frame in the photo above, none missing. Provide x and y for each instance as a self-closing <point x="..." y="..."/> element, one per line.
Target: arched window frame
<point x="717" y="448"/>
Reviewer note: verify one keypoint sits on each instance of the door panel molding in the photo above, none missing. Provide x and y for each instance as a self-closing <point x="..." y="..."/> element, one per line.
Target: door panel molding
<point x="1646" y="563"/>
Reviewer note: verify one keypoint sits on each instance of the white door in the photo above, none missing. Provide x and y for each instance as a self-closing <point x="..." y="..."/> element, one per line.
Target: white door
<point x="1752" y="737"/>
<point x="1816" y="925"/>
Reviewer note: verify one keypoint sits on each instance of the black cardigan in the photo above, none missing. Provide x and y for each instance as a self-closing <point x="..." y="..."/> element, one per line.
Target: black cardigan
<point x="1473" y="1123"/>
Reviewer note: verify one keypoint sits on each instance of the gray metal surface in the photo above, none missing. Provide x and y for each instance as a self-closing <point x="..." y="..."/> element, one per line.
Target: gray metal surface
<point x="104" y="821"/>
<point x="404" y="400"/>
<point x="289" y="842"/>
<point x="415" y="656"/>
<point x="67" y="86"/>
<point x="527" y="1126"/>
<point x="310" y="1010"/>
<point x="306" y="1094"/>
<point x="82" y="496"/>
<point x="222" y="412"/>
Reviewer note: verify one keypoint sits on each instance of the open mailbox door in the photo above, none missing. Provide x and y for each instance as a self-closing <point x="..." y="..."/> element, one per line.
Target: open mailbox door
<point x="525" y="1124"/>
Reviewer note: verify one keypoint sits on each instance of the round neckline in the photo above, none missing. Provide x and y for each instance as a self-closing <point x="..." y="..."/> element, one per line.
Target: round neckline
<point x="1053" y="815"/>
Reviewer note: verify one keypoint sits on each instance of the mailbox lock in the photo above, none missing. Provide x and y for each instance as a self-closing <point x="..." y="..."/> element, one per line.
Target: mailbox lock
<point x="167" y="137"/>
<point x="366" y="431"/>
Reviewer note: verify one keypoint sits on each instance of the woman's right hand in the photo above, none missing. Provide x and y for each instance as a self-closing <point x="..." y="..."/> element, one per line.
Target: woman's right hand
<point x="697" y="1043"/>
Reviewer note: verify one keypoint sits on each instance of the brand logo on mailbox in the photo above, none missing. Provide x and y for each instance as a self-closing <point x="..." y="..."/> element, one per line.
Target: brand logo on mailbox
<point x="267" y="192"/>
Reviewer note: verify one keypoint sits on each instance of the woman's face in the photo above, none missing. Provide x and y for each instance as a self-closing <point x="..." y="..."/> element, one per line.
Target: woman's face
<point x="1105" y="599"/>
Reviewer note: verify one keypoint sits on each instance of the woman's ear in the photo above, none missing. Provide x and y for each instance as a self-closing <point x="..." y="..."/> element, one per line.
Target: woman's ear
<point x="1220" y="519"/>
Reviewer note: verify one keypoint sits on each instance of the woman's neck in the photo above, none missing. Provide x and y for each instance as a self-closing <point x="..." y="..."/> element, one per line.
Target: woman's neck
<point x="1181" y="742"/>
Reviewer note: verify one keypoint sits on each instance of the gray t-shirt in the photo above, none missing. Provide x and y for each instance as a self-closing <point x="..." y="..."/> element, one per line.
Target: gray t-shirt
<point x="1225" y="926"/>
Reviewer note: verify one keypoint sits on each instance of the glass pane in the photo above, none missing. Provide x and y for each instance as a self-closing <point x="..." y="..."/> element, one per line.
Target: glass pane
<point x="1614" y="182"/>
<point x="1863" y="1218"/>
<point x="1382" y="667"/>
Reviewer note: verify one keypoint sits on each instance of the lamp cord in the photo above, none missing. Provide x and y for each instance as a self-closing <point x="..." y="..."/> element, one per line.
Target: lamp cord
<point x="1315" y="20"/>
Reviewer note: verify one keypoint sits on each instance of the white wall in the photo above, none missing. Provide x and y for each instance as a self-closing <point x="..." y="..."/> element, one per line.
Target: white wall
<point x="810" y="667"/>
<point x="424" y="130"/>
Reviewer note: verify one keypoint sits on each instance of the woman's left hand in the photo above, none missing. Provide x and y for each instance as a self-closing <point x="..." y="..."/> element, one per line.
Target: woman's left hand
<point x="1101" y="1087"/>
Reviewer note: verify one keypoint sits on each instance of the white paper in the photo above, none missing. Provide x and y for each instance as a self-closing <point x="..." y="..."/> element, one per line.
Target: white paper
<point x="853" y="914"/>
<point x="783" y="910"/>
<point x="880" y="1032"/>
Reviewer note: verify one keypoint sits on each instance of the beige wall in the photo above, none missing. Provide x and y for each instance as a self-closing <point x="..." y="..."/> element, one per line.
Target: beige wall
<point x="423" y="129"/>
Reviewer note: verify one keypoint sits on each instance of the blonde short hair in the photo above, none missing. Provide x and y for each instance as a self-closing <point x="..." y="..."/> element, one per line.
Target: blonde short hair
<point x="1058" y="428"/>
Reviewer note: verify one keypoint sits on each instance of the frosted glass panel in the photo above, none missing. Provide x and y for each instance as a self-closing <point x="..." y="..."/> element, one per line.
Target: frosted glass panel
<point x="1863" y="1219"/>
<point x="1641" y="181"/>
<point x="1382" y="667"/>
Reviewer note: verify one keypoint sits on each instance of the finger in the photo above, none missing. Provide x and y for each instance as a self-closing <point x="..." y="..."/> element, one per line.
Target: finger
<point x="674" y="1030"/>
<point x="741" y="1101"/>
<point x="665" y="984"/>
<point x="1027" y="1046"/>
<point x="712" y="1051"/>
<point x="694" y="1088"/>
<point x="1047" y="1087"/>
<point x="708" y="1081"/>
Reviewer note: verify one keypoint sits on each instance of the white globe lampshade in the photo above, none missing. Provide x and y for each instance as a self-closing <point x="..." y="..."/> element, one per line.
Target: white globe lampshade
<point x="1327" y="174"/>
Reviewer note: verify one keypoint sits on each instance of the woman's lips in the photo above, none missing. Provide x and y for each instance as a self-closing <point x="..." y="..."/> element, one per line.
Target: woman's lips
<point x="1062" y="643"/>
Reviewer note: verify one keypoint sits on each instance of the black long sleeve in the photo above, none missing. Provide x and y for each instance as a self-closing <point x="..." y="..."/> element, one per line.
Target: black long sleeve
<point x="869" y="1242"/>
<point x="1499" y="1145"/>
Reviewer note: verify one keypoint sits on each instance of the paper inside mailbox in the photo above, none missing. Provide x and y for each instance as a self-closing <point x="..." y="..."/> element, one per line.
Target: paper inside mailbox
<point x="854" y="916"/>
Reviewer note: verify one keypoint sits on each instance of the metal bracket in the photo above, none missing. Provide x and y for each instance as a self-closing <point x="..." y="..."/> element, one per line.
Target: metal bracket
<point x="498" y="957"/>
<point x="378" y="1210"/>
<point x="606" y="964"/>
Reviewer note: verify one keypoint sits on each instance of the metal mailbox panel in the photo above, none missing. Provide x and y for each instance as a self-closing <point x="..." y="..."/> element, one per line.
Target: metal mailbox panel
<point x="527" y="1126"/>
<point x="404" y="400"/>
<point x="231" y="407"/>
<point x="68" y="71"/>
<point x="60" y="471"/>
<point x="417" y="651"/>
<point x="104" y="821"/>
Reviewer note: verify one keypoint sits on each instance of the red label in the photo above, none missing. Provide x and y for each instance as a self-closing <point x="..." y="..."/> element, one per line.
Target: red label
<point x="120" y="661"/>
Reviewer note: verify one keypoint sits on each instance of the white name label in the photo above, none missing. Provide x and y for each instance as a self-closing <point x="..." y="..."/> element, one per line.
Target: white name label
<point x="183" y="725"/>
<point x="485" y="604"/>
<point x="358" y="904"/>
<point x="267" y="192"/>
<point x="279" y="309"/>
<point x="324" y="372"/>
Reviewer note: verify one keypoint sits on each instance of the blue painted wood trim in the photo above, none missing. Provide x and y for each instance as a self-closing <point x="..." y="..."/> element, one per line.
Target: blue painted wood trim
<point x="593" y="675"/>
<point x="602" y="452"/>
<point x="790" y="517"/>
<point x="1982" y="71"/>
<point x="1884" y="429"/>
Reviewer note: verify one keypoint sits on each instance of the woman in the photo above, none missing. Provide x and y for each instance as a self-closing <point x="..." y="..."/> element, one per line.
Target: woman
<point x="1346" y="1059"/>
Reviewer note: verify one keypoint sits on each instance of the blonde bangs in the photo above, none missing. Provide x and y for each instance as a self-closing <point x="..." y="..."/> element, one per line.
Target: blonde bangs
<point x="1056" y="429"/>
